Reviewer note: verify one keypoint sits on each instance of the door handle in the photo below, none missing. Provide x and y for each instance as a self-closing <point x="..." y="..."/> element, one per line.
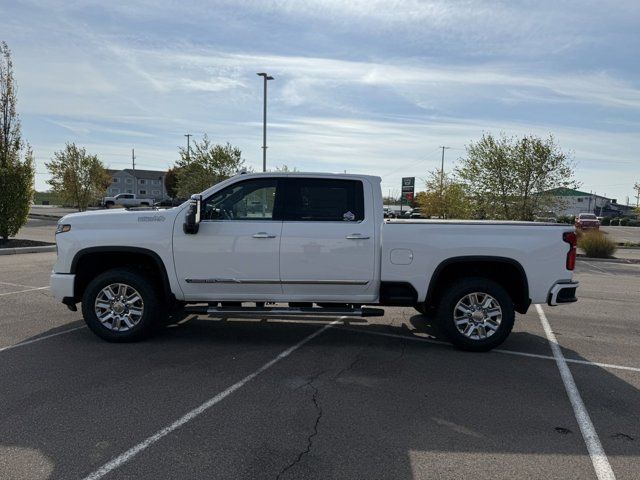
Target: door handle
<point x="357" y="236"/>
<point x="263" y="235"/>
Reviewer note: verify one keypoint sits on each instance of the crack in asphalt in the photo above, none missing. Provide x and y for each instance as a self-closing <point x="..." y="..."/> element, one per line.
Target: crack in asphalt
<point x="319" y="411"/>
<point x="318" y="408"/>
<point x="356" y="359"/>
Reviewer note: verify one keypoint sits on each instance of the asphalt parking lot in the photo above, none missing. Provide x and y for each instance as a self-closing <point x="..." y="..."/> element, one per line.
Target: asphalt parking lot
<point x="368" y="399"/>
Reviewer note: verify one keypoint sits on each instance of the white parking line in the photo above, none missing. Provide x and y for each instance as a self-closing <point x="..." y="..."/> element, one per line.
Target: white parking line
<point x="17" y="285"/>
<point x="29" y="342"/>
<point x="598" y="457"/>
<point x="602" y="270"/>
<point x="22" y="291"/>
<point x="495" y="350"/>
<point x="133" y="451"/>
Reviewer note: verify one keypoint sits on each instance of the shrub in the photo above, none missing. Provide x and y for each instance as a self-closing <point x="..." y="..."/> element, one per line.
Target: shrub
<point x="624" y="222"/>
<point x="633" y="223"/>
<point x="596" y="245"/>
<point x="614" y="222"/>
<point x="605" y="221"/>
<point x="566" y="219"/>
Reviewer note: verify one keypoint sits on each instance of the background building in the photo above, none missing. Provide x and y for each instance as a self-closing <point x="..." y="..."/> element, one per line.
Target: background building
<point x="145" y="183"/>
<point x="573" y="202"/>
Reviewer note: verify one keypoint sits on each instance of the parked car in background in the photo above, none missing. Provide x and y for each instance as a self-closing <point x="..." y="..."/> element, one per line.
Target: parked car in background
<point x="587" y="221"/>
<point x="126" y="200"/>
<point x="416" y="213"/>
<point x="388" y="213"/>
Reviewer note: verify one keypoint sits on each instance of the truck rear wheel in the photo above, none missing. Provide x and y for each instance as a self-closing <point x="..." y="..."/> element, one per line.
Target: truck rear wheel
<point x="121" y="305"/>
<point x="476" y="314"/>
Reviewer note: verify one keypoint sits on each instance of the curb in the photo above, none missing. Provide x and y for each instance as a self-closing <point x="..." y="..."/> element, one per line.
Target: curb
<point x="611" y="260"/>
<point x="19" y="250"/>
<point x="42" y="216"/>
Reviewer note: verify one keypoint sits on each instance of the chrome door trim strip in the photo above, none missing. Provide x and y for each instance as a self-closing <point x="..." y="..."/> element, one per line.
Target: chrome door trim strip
<point x="273" y="282"/>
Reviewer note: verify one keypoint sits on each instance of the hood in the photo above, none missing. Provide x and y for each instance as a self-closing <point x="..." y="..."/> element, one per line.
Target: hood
<point x="114" y="217"/>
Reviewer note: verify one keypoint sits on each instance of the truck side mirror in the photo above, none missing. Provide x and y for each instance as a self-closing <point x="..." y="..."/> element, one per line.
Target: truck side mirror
<point x="192" y="219"/>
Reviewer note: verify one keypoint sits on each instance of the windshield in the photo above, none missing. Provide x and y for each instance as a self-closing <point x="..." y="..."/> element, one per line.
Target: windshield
<point x="587" y="216"/>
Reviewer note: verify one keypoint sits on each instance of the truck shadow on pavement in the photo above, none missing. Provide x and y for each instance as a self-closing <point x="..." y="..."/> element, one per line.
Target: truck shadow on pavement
<point x="358" y="401"/>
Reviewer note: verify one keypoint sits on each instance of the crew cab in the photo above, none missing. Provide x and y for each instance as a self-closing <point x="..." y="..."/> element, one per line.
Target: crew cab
<point x="127" y="200"/>
<point x="317" y="243"/>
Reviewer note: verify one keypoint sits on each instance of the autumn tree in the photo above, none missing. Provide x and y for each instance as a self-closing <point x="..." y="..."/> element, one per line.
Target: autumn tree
<point x="444" y="197"/>
<point x="511" y="178"/>
<point x="78" y="177"/>
<point x="16" y="158"/>
<point x="205" y="165"/>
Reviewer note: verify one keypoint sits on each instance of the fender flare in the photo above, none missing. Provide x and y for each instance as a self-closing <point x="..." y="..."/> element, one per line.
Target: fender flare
<point x="121" y="249"/>
<point x="524" y="301"/>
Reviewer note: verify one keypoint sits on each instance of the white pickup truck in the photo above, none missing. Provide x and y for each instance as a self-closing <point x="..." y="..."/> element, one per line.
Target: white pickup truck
<point x="126" y="200"/>
<point x="317" y="242"/>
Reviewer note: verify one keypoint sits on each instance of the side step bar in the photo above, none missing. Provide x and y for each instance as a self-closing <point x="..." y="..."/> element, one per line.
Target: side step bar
<point x="263" y="312"/>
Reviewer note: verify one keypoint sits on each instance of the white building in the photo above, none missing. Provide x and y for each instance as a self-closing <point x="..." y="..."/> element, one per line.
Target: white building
<point x="145" y="183"/>
<point x="573" y="202"/>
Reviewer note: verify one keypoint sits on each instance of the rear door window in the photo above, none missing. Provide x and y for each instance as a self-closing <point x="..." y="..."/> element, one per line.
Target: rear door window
<point x="323" y="200"/>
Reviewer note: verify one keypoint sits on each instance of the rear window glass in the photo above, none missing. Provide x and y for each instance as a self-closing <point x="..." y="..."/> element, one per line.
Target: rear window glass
<point x="324" y="200"/>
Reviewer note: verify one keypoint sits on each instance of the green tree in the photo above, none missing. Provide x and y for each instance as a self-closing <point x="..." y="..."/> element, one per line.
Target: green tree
<point x="16" y="158"/>
<point x="509" y="178"/>
<point x="171" y="182"/>
<point x="206" y="165"/>
<point x="78" y="177"/>
<point x="444" y="200"/>
<point x="284" y="169"/>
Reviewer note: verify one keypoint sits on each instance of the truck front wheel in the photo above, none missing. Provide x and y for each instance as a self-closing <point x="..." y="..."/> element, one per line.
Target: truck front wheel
<point x="121" y="305"/>
<point x="476" y="314"/>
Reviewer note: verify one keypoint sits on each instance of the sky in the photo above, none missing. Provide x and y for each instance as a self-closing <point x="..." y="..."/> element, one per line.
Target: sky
<point x="363" y="86"/>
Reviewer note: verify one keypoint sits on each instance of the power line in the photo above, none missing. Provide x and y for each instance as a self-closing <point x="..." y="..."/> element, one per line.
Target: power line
<point x="407" y="165"/>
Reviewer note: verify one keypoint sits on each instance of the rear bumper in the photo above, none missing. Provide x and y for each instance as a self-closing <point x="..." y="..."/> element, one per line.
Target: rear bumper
<point x="62" y="285"/>
<point x="563" y="292"/>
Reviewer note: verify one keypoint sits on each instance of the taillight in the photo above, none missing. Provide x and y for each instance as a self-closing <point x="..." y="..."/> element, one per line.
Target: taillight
<point x="572" y="240"/>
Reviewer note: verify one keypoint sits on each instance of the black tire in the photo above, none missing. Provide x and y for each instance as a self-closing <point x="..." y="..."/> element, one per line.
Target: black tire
<point x="109" y="204"/>
<point x="447" y="312"/>
<point x="154" y="311"/>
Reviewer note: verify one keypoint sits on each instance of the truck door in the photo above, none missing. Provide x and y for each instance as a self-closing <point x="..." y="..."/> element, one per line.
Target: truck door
<point x="328" y="246"/>
<point x="235" y="254"/>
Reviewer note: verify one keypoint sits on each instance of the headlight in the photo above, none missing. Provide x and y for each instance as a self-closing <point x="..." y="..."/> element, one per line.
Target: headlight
<point x="62" y="228"/>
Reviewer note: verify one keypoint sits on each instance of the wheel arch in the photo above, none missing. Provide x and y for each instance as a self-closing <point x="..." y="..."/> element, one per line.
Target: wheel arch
<point x="91" y="261"/>
<point x="506" y="271"/>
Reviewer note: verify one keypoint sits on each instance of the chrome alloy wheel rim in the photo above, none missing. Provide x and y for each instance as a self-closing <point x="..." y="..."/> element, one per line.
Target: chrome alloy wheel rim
<point x="477" y="315"/>
<point x="119" y="307"/>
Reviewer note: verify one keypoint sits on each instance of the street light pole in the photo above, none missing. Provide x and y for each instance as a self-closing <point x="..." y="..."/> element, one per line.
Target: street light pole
<point x="264" y="121"/>
<point x="188" y="135"/>
<point x="442" y="181"/>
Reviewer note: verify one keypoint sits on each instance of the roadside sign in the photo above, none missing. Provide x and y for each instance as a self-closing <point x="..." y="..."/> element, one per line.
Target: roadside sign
<point x="408" y="184"/>
<point x="408" y="190"/>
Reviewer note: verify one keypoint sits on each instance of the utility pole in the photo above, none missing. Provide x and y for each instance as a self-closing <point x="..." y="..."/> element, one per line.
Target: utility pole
<point x="188" y="135"/>
<point x="135" y="180"/>
<point x="442" y="181"/>
<point x="264" y="121"/>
